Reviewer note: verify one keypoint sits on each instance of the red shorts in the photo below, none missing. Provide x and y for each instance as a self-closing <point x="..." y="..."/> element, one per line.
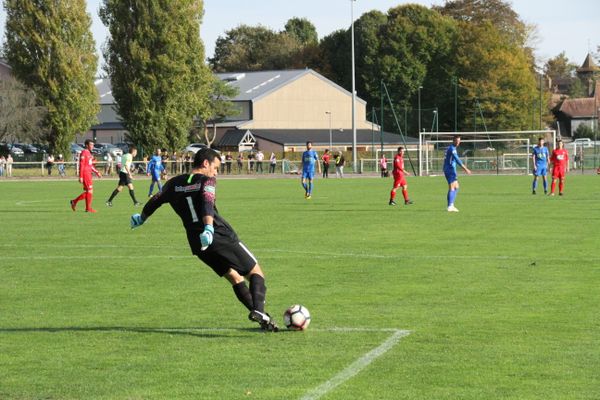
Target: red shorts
<point x="558" y="173"/>
<point x="399" y="180"/>
<point x="87" y="183"/>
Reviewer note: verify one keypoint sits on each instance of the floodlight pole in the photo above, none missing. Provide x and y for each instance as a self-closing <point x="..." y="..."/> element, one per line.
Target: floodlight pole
<point x="354" y="155"/>
<point x="330" y="141"/>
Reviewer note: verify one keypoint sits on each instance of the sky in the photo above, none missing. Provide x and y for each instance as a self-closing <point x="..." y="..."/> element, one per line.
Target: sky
<point x="572" y="26"/>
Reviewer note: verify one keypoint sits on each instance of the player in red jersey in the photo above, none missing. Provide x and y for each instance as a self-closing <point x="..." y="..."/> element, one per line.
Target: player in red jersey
<point x="86" y="167"/>
<point x="560" y="166"/>
<point x="399" y="179"/>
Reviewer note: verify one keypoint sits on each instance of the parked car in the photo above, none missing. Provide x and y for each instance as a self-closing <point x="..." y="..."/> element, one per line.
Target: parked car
<point x="194" y="147"/>
<point x="123" y="146"/>
<point x="27" y="148"/>
<point x="103" y="148"/>
<point x="15" y="150"/>
<point x="75" y="148"/>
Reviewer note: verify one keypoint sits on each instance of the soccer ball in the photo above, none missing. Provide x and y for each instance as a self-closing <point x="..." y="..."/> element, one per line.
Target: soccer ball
<point x="297" y="317"/>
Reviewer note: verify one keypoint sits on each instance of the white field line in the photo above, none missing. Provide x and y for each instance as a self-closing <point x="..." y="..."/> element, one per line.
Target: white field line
<point x="340" y="378"/>
<point x="351" y="370"/>
<point x="184" y="253"/>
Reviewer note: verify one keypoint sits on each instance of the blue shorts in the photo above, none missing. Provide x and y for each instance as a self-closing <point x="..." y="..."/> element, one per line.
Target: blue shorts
<point x="155" y="176"/>
<point x="540" y="171"/>
<point x="450" y="176"/>
<point x="308" y="174"/>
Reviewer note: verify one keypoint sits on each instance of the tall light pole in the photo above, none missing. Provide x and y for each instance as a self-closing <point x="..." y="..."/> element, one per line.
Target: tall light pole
<point x="419" y="106"/>
<point x="330" y="142"/>
<point x="354" y="155"/>
<point x="455" y="83"/>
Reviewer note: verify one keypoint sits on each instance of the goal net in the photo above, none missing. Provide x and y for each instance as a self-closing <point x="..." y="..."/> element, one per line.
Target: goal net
<point x="499" y="153"/>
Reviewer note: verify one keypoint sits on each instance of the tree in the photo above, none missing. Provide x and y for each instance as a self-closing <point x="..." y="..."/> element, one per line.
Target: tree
<point x="220" y="106"/>
<point x="418" y="51"/>
<point x="21" y="118"/>
<point x="302" y="30"/>
<point x="155" y="64"/>
<point x="578" y="89"/>
<point x="51" y="50"/>
<point x="583" y="131"/>
<point x="559" y="67"/>
<point x="497" y="12"/>
<point x="496" y="78"/>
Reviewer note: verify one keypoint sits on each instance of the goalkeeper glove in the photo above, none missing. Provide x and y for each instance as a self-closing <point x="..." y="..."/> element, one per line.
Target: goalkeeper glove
<point x="206" y="237"/>
<point x="136" y="221"/>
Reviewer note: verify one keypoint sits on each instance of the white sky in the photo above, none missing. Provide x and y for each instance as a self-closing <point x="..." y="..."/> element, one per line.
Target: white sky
<point x="571" y="26"/>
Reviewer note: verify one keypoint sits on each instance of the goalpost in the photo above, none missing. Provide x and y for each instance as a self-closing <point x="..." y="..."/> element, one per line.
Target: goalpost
<point x="498" y="152"/>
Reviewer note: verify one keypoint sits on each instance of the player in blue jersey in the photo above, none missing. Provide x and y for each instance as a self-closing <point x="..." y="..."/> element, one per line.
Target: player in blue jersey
<point x="154" y="170"/>
<point x="309" y="159"/>
<point x="450" y="162"/>
<point x="540" y="156"/>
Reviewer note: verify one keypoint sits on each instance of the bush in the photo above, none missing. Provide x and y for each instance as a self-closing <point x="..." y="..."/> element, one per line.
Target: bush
<point x="583" y="131"/>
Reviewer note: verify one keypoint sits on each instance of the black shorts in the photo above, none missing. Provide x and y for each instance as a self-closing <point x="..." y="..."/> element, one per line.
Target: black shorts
<point x="124" y="179"/>
<point x="224" y="253"/>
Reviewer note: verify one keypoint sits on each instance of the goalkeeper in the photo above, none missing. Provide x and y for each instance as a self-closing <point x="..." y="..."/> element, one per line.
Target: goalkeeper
<point x="210" y="237"/>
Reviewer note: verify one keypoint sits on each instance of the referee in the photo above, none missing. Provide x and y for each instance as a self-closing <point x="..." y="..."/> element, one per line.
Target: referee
<point x="210" y="237"/>
<point x="125" y="177"/>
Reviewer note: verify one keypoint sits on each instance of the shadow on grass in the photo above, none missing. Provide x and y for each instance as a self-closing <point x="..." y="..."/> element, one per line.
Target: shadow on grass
<point x="202" y="332"/>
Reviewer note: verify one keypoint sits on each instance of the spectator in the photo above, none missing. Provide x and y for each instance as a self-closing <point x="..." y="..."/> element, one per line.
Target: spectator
<point x="186" y="162"/>
<point x="174" y="163"/>
<point x="2" y="164"/>
<point x="240" y="162"/>
<point x="272" y="163"/>
<point x="61" y="166"/>
<point x="222" y="164"/>
<point x="259" y="161"/>
<point x="108" y="167"/>
<point x="251" y="162"/>
<point x="326" y="157"/>
<point x="339" y="164"/>
<point x="228" y="161"/>
<point x="9" y="165"/>
<point x="383" y="166"/>
<point x="49" y="163"/>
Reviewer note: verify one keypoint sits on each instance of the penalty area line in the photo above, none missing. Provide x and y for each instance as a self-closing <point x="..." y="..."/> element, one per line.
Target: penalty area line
<point x="357" y="366"/>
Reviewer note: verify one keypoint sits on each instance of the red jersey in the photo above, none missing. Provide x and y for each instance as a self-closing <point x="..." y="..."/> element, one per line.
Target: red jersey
<point x="86" y="164"/>
<point x="325" y="159"/>
<point x="398" y="165"/>
<point x="559" y="159"/>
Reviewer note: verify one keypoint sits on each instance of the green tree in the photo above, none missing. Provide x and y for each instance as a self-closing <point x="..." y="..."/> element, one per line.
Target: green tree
<point x="155" y="64"/>
<point x="21" y="117"/>
<point x="497" y="12"/>
<point x="51" y="50"/>
<point x="418" y="52"/>
<point x="495" y="75"/>
<point x="248" y="48"/>
<point x="578" y="89"/>
<point x="559" y="67"/>
<point x="302" y="30"/>
<point x="583" y="131"/>
<point x="220" y="107"/>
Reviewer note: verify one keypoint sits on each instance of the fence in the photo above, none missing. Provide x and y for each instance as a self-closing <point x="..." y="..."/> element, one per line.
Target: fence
<point x="70" y="169"/>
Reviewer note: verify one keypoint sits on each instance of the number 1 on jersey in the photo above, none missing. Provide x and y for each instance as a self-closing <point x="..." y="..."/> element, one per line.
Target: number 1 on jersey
<point x="192" y="210"/>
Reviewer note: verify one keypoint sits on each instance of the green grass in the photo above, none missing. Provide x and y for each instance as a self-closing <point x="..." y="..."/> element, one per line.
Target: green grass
<point x="501" y="299"/>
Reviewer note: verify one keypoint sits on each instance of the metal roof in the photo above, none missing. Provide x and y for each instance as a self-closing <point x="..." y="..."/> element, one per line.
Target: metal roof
<point x="320" y="137"/>
<point x="251" y="85"/>
<point x="254" y="85"/>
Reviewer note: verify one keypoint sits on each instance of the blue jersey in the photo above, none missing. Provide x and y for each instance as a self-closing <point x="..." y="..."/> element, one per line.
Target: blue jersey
<point x="309" y="159"/>
<point x="541" y="156"/>
<point x="155" y="166"/>
<point x="451" y="159"/>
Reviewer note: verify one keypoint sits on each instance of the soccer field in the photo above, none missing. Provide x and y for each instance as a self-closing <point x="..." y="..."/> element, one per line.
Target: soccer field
<point x="499" y="301"/>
